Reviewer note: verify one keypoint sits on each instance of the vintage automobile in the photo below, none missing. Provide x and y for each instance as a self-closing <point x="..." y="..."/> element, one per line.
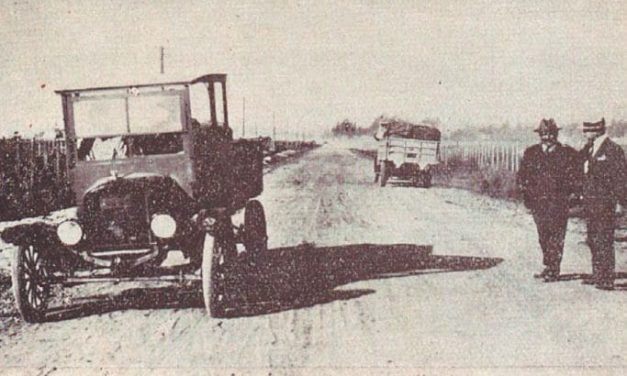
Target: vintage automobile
<point x="154" y="168"/>
<point x="406" y="152"/>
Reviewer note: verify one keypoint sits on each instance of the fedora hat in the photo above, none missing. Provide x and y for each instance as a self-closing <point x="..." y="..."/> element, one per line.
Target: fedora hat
<point x="547" y="126"/>
<point x="599" y="126"/>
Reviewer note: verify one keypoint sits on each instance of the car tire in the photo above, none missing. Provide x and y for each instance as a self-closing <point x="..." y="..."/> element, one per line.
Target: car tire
<point x="427" y="179"/>
<point x="417" y="180"/>
<point x="255" y="233"/>
<point x="31" y="283"/>
<point x="217" y="254"/>
<point x="383" y="179"/>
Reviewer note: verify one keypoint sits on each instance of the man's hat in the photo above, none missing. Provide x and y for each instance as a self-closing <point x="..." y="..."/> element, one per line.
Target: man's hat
<point x="547" y="126"/>
<point x="599" y="126"/>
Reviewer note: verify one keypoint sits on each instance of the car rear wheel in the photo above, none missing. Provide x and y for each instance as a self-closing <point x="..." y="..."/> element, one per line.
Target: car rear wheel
<point x="255" y="234"/>
<point x="31" y="283"/>
<point x="427" y="179"/>
<point x="383" y="179"/>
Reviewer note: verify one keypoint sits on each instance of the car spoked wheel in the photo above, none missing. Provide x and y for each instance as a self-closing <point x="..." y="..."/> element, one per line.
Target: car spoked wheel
<point x="31" y="283"/>
<point x="217" y="254"/>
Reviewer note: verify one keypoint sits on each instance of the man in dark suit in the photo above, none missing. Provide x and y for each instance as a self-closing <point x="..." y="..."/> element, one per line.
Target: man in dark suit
<point x="547" y="177"/>
<point x="604" y="195"/>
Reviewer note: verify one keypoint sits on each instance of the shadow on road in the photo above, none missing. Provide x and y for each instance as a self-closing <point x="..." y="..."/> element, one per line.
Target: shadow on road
<point x="289" y="278"/>
<point x="295" y="277"/>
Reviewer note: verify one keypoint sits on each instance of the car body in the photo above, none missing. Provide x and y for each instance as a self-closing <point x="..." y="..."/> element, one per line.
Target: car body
<point x="153" y="168"/>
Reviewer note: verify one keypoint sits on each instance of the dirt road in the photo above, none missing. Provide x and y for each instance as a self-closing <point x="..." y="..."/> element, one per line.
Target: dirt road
<point x="378" y="278"/>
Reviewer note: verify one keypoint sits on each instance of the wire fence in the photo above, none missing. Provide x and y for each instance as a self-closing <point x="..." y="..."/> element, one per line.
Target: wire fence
<point x="495" y="155"/>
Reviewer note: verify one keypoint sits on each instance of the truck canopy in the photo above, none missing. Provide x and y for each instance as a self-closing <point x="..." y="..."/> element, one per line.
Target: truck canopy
<point x="407" y="130"/>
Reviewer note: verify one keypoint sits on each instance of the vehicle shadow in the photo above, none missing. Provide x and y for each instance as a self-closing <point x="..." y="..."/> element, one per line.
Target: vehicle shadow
<point x="295" y="277"/>
<point x="287" y="278"/>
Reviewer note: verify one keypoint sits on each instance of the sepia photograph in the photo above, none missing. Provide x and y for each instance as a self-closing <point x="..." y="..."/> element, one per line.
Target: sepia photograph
<point x="288" y="187"/>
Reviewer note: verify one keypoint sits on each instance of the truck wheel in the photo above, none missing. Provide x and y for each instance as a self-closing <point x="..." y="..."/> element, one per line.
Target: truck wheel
<point x="255" y="234"/>
<point x="31" y="283"/>
<point x="384" y="174"/>
<point x="416" y="180"/>
<point x="217" y="252"/>
<point x="427" y="179"/>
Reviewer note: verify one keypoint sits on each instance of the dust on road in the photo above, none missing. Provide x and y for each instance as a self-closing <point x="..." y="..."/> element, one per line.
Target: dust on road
<point x="377" y="277"/>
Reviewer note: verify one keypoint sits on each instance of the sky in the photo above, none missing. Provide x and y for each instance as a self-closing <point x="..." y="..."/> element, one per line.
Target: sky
<point x="313" y="64"/>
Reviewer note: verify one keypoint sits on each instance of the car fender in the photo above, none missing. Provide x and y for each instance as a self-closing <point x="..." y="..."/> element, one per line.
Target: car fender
<point x="31" y="233"/>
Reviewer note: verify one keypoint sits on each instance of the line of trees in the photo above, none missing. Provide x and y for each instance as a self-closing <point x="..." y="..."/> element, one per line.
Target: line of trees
<point x="502" y="132"/>
<point x="348" y="128"/>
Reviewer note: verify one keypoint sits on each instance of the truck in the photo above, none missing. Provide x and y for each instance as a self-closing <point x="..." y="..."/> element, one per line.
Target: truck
<point x="406" y="152"/>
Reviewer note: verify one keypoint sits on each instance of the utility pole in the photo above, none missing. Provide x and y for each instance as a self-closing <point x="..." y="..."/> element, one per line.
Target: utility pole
<point x="244" y="118"/>
<point x="162" y="59"/>
<point x="273" y="128"/>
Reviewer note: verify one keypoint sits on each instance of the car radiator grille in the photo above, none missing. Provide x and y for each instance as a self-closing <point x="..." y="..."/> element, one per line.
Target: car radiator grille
<point x="121" y="221"/>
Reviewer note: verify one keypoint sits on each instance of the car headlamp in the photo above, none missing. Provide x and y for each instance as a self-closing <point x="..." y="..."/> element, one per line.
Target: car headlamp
<point x="69" y="232"/>
<point x="163" y="225"/>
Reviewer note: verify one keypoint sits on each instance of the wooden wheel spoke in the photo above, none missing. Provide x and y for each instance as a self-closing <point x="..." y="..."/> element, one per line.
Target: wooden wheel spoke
<point x="41" y="272"/>
<point x="28" y="264"/>
<point x="31" y="297"/>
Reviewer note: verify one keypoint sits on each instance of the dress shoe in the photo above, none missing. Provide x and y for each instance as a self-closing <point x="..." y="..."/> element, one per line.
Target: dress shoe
<point x="589" y="281"/>
<point x="607" y="286"/>
<point x="542" y="274"/>
<point x="552" y="276"/>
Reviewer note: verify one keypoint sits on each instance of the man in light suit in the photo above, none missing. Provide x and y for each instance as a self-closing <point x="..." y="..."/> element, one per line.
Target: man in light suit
<point x="604" y="195"/>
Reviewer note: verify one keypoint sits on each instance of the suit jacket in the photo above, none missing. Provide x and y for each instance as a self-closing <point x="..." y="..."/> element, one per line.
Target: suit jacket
<point x="546" y="180"/>
<point x="605" y="183"/>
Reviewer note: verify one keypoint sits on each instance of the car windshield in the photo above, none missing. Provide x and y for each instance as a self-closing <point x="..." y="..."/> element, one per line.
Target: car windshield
<point x="120" y="147"/>
<point x="124" y="113"/>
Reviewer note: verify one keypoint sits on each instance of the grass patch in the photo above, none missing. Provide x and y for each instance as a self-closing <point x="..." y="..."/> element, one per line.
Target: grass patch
<point x="496" y="183"/>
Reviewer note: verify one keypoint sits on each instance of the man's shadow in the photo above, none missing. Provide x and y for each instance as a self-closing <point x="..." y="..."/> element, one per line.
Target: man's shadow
<point x="288" y="278"/>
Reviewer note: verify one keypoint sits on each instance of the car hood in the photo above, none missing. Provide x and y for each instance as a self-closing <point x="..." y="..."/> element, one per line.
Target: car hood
<point x="163" y="191"/>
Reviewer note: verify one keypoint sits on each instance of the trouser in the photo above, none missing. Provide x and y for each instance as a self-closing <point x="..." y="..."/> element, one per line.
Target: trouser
<point x="601" y="243"/>
<point x="551" y="228"/>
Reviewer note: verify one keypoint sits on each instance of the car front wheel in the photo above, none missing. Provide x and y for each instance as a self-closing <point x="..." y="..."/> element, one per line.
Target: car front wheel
<point x="31" y="283"/>
<point x="218" y="252"/>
